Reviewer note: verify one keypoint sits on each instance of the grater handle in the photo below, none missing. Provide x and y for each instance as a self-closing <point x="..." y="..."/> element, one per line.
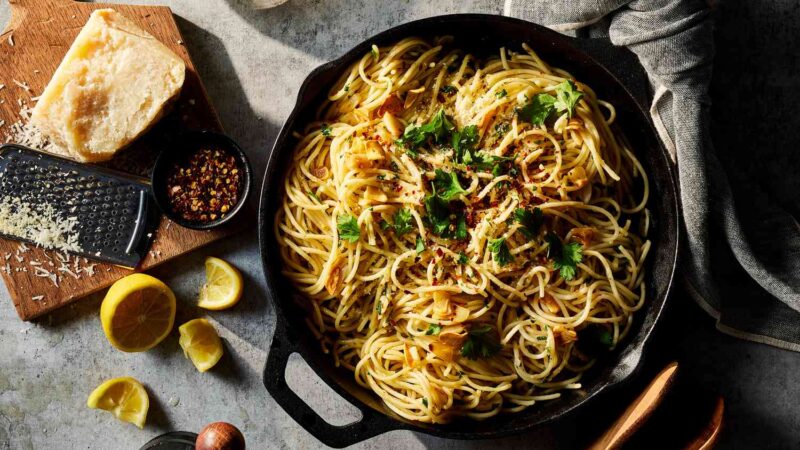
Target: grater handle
<point x="141" y="222"/>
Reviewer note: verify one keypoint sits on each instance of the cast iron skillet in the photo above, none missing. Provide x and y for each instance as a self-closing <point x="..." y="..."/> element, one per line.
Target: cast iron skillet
<point x="480" y="35"/>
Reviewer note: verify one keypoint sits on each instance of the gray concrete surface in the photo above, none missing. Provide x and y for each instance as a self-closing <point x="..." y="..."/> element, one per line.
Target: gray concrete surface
<point x="252" y="63"/>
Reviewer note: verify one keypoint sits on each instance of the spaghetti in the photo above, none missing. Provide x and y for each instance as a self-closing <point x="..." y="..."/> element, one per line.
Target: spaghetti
<point x="467" y="236"/>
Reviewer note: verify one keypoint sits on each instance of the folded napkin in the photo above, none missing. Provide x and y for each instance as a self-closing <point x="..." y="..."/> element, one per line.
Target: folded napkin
<point x="743" y="269"/>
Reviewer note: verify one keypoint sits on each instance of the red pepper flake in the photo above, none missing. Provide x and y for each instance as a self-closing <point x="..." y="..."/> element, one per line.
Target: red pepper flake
<point x="205" y="186"/>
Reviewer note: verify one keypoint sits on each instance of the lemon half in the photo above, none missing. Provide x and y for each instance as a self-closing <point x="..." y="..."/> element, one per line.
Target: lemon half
<point x="137" y="313"/>
<point x="223" y="286"/>
<point x="200" y="343"/>
<point x="124" y="397"/>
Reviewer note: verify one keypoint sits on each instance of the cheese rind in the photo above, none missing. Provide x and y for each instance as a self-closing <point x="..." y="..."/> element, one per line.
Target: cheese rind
<point x="114" y="83"/>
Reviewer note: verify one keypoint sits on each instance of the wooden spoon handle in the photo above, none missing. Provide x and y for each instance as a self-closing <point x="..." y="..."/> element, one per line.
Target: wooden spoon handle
<point x="638" y="411"/>
<point x="710" y="433"/>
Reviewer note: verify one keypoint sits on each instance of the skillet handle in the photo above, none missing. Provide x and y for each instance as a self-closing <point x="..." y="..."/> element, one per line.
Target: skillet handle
<point x="371" y="424"/>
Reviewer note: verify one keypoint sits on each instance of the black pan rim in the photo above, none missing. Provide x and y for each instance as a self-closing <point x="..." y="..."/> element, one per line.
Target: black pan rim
<point x="669" y="196"/>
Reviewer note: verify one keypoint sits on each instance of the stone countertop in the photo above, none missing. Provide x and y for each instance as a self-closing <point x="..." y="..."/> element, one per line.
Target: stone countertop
<point x="252" y="63"/>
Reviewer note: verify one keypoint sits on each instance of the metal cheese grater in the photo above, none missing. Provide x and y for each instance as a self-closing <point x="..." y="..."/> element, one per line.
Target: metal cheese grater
<point x="112" y="214"/>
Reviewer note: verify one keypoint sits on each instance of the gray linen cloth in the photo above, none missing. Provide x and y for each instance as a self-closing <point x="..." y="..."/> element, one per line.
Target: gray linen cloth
<point x="743" y="269"/>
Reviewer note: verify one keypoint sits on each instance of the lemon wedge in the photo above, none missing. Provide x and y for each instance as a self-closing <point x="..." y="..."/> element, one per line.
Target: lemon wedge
<point x="137" y="313"/>
<point x="223" y="286"/>
<point x="200" y="343"/>
<point x="124" y="397"/>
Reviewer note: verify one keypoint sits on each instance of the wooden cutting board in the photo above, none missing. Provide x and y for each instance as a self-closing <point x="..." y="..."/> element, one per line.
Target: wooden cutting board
<point x="31" y="47"/>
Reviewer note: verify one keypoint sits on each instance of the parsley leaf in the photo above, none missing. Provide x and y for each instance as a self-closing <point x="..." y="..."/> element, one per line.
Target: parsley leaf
<point x="461" y="228"/>
<point x="420" y="245"/>
<point x="437" y="130"/>
<point x="538" y="109"/>
<point x="462" y="258"/>
<point x="565" y="256"/>
<point x="480" y="343"/>
<point x="480" y="160"/>
<point x="379" y="307"/>
<point x="567" y="96"/>
<point x="531" y="221"/>
<point x="464" y="142"/>
<point x="438" y="214"/>
<point x="448" y="90"/>
<point x="384" y="225"/>
<point x="501" y="94"/>
<point x="326" y="130"/>
<point x="425" y="402"/>
<point x="440" y="219"/>
<point x="348" y="228"/>
<point x="347" y="87"/>
<point x="500" y="251"/>
<point x="433" y="329"/>
<point x="446" y="185"/>
<point x="314" y="196"/>
<point x="403" y="221"/>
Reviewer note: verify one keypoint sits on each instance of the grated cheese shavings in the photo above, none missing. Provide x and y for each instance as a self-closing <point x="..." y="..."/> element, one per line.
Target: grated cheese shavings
<point x="39" y="223"/>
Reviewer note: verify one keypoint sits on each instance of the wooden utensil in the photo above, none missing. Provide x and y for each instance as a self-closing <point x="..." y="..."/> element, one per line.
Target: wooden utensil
<point x="708" y="437"/>
<point x="33" y="44"/>
<point x="638" y="411"/>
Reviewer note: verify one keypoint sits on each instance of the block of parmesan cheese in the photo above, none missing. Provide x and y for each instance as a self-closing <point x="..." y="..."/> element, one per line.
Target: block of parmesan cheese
<point x="115" y="82"/>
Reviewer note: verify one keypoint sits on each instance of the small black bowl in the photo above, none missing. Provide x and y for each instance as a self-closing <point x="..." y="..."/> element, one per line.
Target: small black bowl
<point x="181" y="147"/>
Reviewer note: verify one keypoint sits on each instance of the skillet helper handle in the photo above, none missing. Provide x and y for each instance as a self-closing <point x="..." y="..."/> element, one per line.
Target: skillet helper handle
<point x="371" y="424"/>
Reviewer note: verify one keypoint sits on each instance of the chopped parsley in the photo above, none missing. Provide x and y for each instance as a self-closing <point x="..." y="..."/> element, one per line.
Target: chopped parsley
<point x="538" y="109"/>
<point x="442" y="221"/>
<point x="436" y="131"/>
<point x="531" y="221"/>
<point x="384" y="225"/>
<point x="464" y="142"/>
<point x="500" y="251"/>
<point x="448" y="90"/>
<point x="565" y="257"/>
<point x="420" y="245"/>
<point x="403" y="221"/>
<point x="347" y="87"/>
<point x="326" y="130"/>
<point x="504" y="165"/>
<point x="379" y="307"/>
<point x="374" y="52"/>
<point x="480" y="343"/>
<point x="501" y="129"/>
<point x="438" y="215"/>
<point x="541" y="106"/>
<point x="446" y="185"/>
<point x="567" y="96"/>
<point x="314" y="196"/>
<point x="425" y="402"/>
<point x="433" y="329"/>
<point x="462" y="258"/>
<point x="348" y="228"/>
<point x="502" y="93"/>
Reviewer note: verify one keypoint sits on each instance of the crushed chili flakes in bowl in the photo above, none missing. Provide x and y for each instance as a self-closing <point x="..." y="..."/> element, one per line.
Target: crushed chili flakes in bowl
<point x="205" y="186"/>
<point x="201" y="180"/>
